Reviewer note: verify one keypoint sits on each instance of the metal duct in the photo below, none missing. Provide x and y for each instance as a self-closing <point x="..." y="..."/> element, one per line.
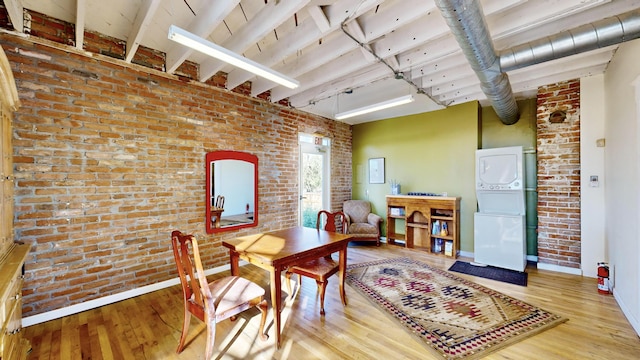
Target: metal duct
<point x="606" y="32"/>
<point x="468" y="25"/>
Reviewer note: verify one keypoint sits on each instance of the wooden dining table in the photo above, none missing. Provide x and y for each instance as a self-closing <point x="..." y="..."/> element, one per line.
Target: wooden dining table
<point x="276" y="251"/>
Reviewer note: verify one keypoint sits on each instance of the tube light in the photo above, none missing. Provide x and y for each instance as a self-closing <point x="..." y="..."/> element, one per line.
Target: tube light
<point x="206" y="47"/>
<point x="375" y="107"/>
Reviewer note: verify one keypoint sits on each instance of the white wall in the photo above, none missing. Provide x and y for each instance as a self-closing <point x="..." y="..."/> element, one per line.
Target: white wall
<point x="622" y="175"/>
<point x="592" y="210"/>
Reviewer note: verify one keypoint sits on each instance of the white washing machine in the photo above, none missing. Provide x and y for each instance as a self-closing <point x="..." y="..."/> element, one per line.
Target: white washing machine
<point x="500" y="240"/>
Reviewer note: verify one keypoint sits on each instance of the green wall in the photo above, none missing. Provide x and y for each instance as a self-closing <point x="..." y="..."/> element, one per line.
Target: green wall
<point x="435" y="152"/>
<point x="429" y="152"/>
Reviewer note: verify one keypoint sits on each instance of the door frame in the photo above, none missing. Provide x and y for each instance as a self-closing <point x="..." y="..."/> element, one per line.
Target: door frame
<point x="314" y="144"/>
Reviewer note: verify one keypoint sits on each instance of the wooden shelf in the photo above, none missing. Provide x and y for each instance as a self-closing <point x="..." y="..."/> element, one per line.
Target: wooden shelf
<point x="420" y="214"/>
<point x="438" y="217"/>
<point x="446" y="237"/>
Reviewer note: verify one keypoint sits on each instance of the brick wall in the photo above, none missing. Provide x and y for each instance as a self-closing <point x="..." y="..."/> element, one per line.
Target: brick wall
<point x="109" y="158"/>
<point x="558" y="147"/>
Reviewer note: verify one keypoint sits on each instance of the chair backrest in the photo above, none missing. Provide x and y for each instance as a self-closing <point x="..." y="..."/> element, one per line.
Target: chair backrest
<point x="336" y="222"/>
<point x="194" y="283"/>
<point x="220" y="202"/>
<point x="357" y="210"/>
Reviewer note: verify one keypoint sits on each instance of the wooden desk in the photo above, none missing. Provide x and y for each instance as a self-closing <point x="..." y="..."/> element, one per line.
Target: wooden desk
<point x="277" y="250"/>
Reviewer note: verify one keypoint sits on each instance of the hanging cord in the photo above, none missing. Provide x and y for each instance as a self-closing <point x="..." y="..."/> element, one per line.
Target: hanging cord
<point x="398" y="74"/>
<point x="189" y="6"/>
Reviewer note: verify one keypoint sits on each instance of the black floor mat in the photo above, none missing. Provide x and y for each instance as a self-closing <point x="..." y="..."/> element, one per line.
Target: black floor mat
<point x="491" y="272"/>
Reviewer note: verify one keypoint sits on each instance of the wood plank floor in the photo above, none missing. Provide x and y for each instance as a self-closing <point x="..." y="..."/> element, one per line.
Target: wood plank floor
<point x="148" y="327"/>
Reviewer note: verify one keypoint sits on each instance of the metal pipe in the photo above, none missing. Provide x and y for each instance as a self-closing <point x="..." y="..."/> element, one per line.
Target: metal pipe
<point x="468" y="25"/>
<point x="602" y="33"/>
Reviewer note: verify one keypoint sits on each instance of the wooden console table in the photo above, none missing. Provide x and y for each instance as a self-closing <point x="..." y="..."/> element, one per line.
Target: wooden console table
<point x="420" y="214"/>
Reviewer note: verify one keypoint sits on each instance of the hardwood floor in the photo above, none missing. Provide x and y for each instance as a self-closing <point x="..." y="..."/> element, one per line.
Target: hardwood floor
<point x="148" y="327"/>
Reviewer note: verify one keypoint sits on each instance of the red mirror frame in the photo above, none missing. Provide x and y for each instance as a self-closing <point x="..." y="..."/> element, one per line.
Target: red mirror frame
<point x="229" y="155"/>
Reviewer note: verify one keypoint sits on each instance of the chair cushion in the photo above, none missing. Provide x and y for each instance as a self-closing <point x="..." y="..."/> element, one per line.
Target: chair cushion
<point x="357" y="210"/>
<point x="363" y="229"/>
<point x="317" y="267"/>
<point x="231" y="291"/>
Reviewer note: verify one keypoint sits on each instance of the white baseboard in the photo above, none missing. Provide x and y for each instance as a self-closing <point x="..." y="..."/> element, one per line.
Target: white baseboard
<point x="627" y="313"/>
<point x="470" y="254"/>
<point x="558" y="268"/>
<point x="110" y="299"/>
<point x="466" y="254"/>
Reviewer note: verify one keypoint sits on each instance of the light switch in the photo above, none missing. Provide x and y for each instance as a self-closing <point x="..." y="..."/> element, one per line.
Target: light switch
<point x="593" y="181"/>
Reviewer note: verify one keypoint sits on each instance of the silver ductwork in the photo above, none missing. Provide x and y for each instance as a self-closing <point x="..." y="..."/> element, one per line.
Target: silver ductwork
<point x="467" y="22"/>
<point x="606" y="32"/>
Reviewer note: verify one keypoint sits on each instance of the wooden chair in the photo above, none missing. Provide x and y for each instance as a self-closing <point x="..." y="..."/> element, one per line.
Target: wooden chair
<point x="211" y="302"/>
<point x="321" y="269"/>
<point x="216" y="212"/>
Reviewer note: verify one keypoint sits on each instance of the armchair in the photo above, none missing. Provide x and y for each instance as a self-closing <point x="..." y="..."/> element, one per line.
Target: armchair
<point x="362" y="223"/>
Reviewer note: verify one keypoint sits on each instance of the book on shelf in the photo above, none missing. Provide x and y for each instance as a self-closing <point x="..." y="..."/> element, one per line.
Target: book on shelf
<point x="448" y="248"/>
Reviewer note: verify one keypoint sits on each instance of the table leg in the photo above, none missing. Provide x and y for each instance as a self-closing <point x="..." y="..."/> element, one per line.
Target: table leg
<point x="233" y="261"/>
<point x="276" y="298"/>
<point x="342" y="273"/>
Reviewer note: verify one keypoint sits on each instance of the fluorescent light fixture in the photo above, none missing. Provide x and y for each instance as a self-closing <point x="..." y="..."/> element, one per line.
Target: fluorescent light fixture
<point x="375" y="107"/>
<point x="204" y="46"/>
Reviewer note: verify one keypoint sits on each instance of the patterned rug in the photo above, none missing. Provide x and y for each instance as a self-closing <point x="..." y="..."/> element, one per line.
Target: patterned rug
<point x="456" y="318"/>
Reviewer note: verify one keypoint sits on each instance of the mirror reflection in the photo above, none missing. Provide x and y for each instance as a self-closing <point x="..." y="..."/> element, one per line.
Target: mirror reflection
<point x="231" y="190"/>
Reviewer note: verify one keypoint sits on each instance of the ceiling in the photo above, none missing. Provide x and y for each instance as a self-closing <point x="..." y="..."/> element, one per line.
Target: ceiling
<point x="346" y="53"/>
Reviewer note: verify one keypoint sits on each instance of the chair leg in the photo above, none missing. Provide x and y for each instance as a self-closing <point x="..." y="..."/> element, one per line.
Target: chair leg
<point x="185" y="329"/>
<point x="263" y="309"/>
<point x="322" y="285"/>
<point x="288" y="276"/>
<point x="211" y="335"/>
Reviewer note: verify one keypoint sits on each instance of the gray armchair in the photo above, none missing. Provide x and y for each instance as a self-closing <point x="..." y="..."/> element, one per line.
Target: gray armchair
<point x="362" y="223"/>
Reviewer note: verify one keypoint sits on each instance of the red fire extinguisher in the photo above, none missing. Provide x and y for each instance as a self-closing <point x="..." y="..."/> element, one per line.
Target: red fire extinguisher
<point x="603" y="278"/>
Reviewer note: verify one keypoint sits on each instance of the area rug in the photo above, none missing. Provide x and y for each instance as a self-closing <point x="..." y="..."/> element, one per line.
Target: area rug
<point x="453" y="317"/>
<point x="491" y="272"/>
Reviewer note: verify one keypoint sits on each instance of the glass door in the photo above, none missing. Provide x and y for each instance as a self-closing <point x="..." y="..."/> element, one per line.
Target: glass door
<point x="314" y="178"/>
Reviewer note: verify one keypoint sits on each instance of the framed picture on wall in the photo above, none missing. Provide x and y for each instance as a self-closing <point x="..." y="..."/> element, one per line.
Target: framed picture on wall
<point x="376" y="171"/>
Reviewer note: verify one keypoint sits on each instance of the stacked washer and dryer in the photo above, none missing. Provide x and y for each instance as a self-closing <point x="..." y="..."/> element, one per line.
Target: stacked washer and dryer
<point x="500" y="224"/>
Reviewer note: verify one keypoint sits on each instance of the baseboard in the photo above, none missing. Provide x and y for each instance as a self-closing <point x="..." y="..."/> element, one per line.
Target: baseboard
<point x="558" y="268"/>
<point x="466" y="254"/>
<point x="470" y="254"/>
<point x="627" y="313"/>
<point x="110" y="299"/>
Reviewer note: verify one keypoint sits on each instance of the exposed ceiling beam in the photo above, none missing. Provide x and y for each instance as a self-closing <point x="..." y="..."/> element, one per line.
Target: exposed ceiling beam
<point x="313" y="58"/>
<point x="81" y="10"/>
<point x="270" y="17"/>
<point x="15" y="11"/>
<point x="346" y="64"/>
<point x="312" y="61"/>
<point x="355" y="30"/>
<point x="202" y="26"/>
<point x="140" y="25"/>
<point x="308" y="33"/>
<point x="319" y="18"/>
<point x="338" y="86"/>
